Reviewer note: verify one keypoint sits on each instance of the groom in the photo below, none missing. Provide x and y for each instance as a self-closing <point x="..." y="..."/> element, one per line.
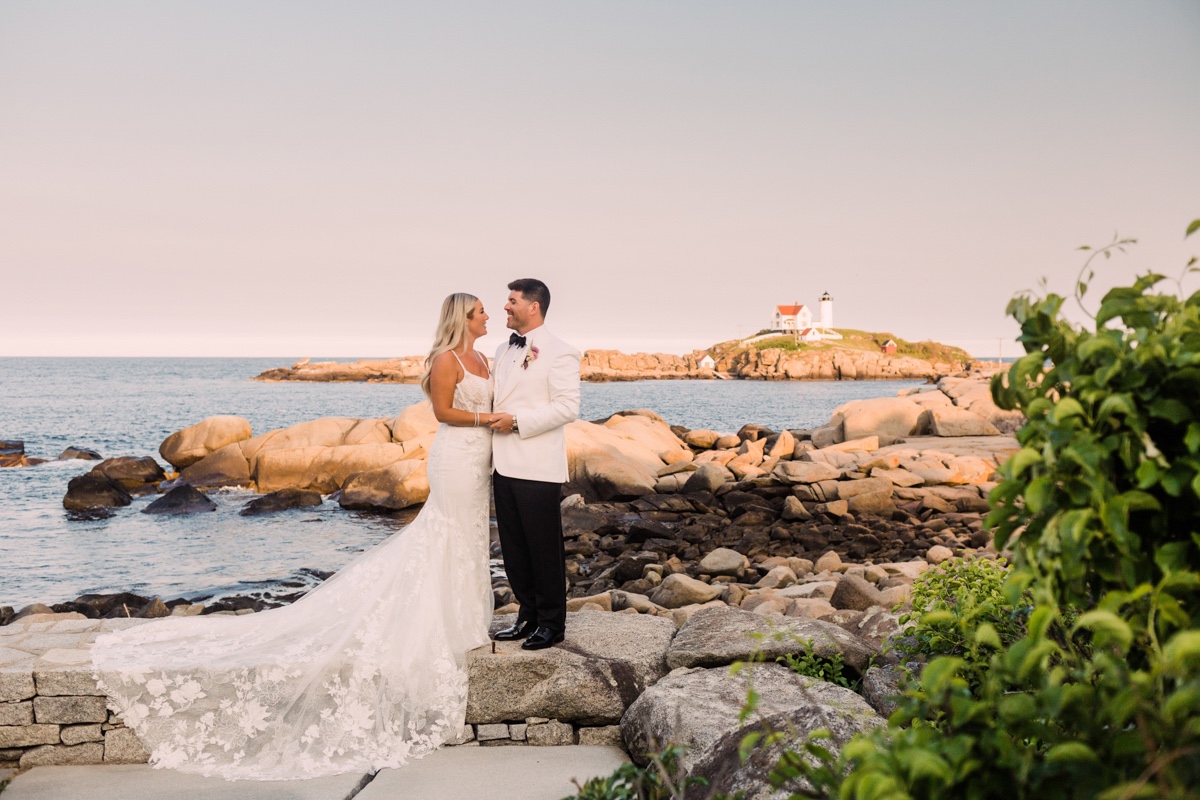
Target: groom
<point x="536" y="394"/>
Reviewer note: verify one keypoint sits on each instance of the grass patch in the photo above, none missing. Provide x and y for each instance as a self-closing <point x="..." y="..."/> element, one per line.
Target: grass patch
<point x="783" y="342"/>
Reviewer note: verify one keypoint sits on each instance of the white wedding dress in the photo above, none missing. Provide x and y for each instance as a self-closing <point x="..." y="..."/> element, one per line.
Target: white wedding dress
<point x="366" y="671"/>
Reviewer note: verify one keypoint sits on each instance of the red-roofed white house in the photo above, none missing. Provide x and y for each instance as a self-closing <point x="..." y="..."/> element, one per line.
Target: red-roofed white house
<point x="797" y="319"/>
<point x="790" y="319"/>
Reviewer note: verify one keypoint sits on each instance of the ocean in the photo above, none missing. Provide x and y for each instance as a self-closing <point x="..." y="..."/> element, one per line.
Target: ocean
<point x="127" y="406"/>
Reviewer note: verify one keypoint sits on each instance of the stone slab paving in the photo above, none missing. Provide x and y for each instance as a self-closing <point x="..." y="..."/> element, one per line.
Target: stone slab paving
<point x="494" y="773"/>
<point x="456" y="773"/>
<point x="143" y="782"/>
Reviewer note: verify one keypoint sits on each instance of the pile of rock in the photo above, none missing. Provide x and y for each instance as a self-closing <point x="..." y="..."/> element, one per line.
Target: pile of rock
<point x="113" y="482"/>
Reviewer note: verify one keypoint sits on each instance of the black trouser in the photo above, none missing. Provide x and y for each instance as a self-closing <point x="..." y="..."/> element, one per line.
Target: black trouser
<point x="530" y="524"/>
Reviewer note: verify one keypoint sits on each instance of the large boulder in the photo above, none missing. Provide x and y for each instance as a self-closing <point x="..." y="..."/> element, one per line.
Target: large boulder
<point x="804" y="472"/>
<point x="186" y="447"/>
<point x="702" y="439"/>
<point x="896" y="417"/>
<point x="947" y="421"/>
<point x="93" y="491"/>
<point x="706" y="478"/>
<point x="324" y="469"/>
<point x="830" y="433"/>
<point x="399" y="485"/>
<point x="700" y="709"/>
<point x="324" y="432"/>
<point x="653" y="433"/>
<point x="856" y="594"/>
<point x="224" y="467"/>
<point x="617" y="460"/>
<point x="724" y="561"/>
<point x="868" y="496"/>
<point x="131" y="472"/>
<point x="679" y="590"/>
<point x="606" y="661"/>
<point x="183" y="499"/>
<point x="415" y="422"/>
<point x="716" y="636"/>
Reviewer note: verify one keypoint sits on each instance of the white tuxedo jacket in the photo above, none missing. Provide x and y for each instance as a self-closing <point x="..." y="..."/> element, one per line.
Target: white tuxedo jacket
<point x="544" y="396"/>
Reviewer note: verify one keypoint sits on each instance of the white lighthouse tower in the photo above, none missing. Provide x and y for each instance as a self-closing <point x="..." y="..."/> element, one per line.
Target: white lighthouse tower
<point x="826" y="311"/>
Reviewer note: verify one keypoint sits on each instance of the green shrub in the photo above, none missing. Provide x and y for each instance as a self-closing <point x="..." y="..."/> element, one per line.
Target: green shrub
<point x="952" y="601"/>
<point x="831" y="669"/>
<point x="1099" y="694"/>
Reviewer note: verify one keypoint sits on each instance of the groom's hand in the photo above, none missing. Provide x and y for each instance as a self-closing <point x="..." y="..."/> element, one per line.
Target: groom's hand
<point x="502" y="423"/>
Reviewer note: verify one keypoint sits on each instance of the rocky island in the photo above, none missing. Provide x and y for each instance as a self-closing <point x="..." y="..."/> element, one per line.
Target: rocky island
<point x="858" y="355"/>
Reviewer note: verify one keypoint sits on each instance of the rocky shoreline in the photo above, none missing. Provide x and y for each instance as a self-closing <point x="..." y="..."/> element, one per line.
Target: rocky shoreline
<point x="886" y="481"/>
<point x="600" y="366"/>
<point x="687" y="551"/>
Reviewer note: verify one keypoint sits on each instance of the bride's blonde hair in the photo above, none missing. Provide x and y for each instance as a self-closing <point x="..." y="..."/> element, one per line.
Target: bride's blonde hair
<point x="457" y="309"/>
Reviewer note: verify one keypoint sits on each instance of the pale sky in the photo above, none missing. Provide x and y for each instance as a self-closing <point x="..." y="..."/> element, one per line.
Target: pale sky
<point x="290" y="179"/>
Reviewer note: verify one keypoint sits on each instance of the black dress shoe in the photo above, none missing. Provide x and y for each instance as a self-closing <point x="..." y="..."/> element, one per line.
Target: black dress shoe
<point x="541" y="639"/>
<point x="514" y="632"/>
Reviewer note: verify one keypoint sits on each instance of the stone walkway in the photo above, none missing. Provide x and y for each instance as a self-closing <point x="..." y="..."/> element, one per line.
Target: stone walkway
<point x="456" y="773"/>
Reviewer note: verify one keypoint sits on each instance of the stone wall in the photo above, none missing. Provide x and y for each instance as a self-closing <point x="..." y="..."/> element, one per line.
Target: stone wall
<point x="51" y="711"/>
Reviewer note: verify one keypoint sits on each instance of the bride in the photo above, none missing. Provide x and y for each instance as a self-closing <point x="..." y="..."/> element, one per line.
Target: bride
<point x="366" y="671"/>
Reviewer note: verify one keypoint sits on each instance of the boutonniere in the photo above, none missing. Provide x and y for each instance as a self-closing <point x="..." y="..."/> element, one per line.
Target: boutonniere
<point x="530" y="357"/>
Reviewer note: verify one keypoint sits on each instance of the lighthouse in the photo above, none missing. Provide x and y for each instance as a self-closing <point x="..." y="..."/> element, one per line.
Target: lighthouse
<point x="826" y="311"/>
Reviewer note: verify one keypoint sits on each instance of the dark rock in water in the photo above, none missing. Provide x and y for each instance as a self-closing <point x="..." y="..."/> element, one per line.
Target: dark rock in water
<point x="12" y="453"/>
<point x="153" y="610"/>
<point x="94" y="491"/>
<point x="181" y="500"/>
<point x="6" y="614"/>
<point x="235" y="604"/>
<point x="131" y="472"/>
<point x="145" y="489"/>
<point x="281" y="501"/>
<point x="81" y="453"/>
<point x="102" y="605"/>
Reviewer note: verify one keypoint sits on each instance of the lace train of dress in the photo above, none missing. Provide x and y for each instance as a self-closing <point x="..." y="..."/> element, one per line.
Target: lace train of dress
<point x="366" y="671"/>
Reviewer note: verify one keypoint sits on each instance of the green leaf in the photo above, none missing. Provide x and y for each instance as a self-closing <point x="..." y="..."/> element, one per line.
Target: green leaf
<point x="1022" y="460"/>
<point x="1183" y="651"/>
<point x="926" y="765"/>
<point x="986" y="634"/>
<point x="1170" y="409"/>
<point x="1107" y="628"/>
<point x="1071" y="752"/>
<point x="1192" y="228"/>
<point x="1172" y="557"/>
<point x="1065" y="409"/>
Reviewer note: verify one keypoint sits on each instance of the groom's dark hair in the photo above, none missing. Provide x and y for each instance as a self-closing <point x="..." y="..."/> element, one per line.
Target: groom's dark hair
<point x="534" y="291"/>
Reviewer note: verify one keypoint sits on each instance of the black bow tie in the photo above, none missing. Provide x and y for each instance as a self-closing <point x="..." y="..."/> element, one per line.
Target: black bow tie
<point x="516" y="339"/>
